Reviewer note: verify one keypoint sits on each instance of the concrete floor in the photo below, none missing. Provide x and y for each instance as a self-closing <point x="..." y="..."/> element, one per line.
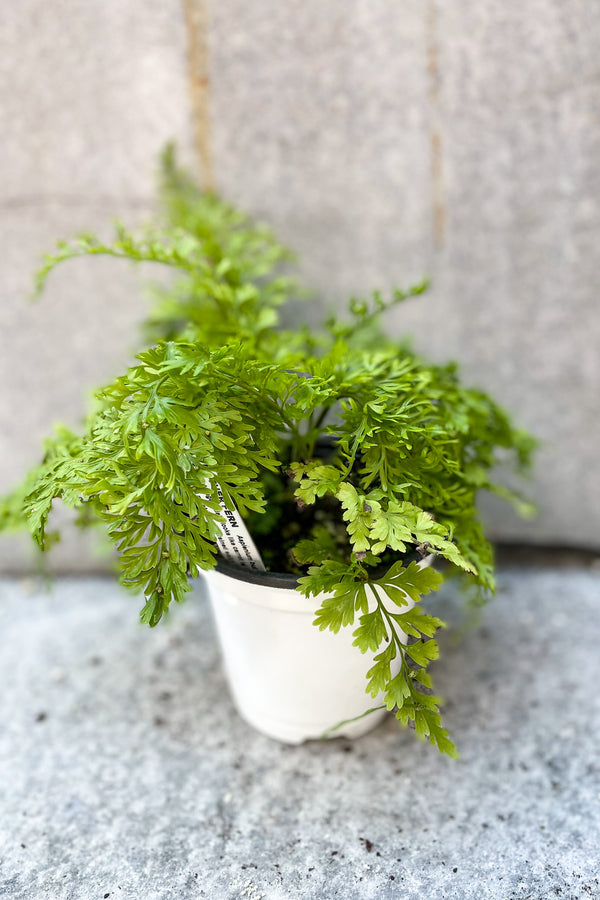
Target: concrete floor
<point x="126" y="773"/>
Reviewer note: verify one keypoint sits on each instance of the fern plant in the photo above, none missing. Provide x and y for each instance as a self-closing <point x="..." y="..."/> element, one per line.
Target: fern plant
<point x="342" y="449"/>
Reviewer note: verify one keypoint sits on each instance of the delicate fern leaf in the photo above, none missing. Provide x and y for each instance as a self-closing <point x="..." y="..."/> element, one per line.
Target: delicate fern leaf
<point x="422" y="677"/>
<point x="390" y="529"/>
<point x="379" y="675"/>
<point x="344" y="595"/>
<point x="371" y="632"/>
<point x="338" y="610"/>
<point x="324" y="578"/>
<point x="321" y="547"/>
<point x="422" y="651"/>
<point x="411" y="582"/>
<point x="37" y="509"/>
<point x="397" y="691"/>
<point x="315" y="480"/>
<point x="358" y="515"/>
<point x="154" y="609"/>
<point x="428" y="725"/>
<point x="406" y="712"/>
<point x="176" y="248"/>
<point x="415" y="622"/>
<point x="449" y="551"/>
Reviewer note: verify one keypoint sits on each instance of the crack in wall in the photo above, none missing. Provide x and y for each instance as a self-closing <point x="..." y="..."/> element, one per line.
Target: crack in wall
<point x="27" y="201"/>
<point x="196" y="24"/>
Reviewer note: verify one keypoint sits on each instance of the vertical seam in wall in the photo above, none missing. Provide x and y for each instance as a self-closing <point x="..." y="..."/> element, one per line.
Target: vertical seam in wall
<point x="435" y="138"/>
<point x="196" y="25"/>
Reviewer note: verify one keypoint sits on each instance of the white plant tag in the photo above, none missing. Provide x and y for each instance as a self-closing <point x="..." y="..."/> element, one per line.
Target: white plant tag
<point x="235" y="543"/>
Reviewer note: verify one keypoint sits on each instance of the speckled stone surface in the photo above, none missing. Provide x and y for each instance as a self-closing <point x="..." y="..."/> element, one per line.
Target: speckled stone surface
<point x="126" y="773"/>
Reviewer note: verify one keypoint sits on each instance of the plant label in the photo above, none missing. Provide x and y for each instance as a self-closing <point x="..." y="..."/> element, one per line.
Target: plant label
<point x="235" y="543"/>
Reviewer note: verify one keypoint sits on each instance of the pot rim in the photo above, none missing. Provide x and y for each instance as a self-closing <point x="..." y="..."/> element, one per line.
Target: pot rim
<point x="286" y="580"/>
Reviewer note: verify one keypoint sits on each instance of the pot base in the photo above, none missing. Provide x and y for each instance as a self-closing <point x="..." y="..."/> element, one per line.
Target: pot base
<point x="299" y="732"/>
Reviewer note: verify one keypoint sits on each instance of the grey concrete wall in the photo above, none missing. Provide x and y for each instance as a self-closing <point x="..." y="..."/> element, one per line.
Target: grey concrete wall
<point x="384" y="141"/>
<point x="89" y="94"/>
<point x="387" y="140"/>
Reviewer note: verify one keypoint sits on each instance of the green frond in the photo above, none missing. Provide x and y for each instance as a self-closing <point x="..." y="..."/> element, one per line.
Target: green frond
<point x="343" y="450"/>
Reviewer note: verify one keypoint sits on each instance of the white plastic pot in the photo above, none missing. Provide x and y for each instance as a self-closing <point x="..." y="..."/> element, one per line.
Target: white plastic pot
<point x="288" y="679"/>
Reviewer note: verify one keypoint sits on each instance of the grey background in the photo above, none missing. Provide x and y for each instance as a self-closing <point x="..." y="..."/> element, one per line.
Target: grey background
<point x="383" y="141"/>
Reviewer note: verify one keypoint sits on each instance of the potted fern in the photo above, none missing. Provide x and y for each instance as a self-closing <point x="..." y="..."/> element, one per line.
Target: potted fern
<point x="319" y="469"/>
